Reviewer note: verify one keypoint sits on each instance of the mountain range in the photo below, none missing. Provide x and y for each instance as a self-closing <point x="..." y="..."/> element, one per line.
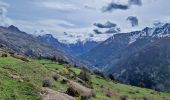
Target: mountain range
<point x="26" y="44"/>
<point x="138" y="58"/>
<point x="74" y="49"/>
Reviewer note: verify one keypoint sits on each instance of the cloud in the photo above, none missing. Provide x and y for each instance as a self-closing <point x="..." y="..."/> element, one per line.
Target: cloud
<point x="4" y="20"/>
<point x="108" y="27"/>
<point x="51" y="25"/>
<point x="114" y="6"/>
<point x="59" y="5"/>
<point x="96" y="31"/>
<point x="118" y="6"/>
<point x="108" y="24"/>
<point x="133" y="20"/>
<point x="135" y="2"/>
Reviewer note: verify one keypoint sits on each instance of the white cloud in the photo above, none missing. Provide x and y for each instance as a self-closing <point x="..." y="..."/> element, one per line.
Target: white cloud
<point x="59" y="5"/>
<point x="44" y="24"/>
<point x="4" y="20"/>
<point x="76" y="17"/>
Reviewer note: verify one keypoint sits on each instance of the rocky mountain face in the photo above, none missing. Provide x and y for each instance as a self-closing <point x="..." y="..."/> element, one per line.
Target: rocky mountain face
<point x="75" y="49"/>
<point x="139" y="58"/>
<point x="50" y="40"/>
<point x="148" y="67"/>
<point x="80" y="48"/>
<point x="29" y="45"/>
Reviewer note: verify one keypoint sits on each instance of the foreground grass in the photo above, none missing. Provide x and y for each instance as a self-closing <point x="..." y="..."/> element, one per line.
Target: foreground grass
<point x="118" y="90"/>
<point x="21" y="80"/>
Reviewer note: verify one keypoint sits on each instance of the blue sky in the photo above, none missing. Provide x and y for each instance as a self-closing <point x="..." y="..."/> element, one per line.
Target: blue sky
<point x="76" y="17"/>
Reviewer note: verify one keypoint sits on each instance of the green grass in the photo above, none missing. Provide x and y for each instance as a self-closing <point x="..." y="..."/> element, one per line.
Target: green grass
<point x="50" y="65"/>
<point x="28" y="82"/>
<point x="14" y="90"/>
<point x="27" y="79"/>
<point x="122" y="90"/>
<point x="9" y="60"/>
<point x="76" y="70"/>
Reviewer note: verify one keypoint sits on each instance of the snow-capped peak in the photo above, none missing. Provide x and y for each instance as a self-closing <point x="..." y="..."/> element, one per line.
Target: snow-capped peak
<point x="158" y="31"/>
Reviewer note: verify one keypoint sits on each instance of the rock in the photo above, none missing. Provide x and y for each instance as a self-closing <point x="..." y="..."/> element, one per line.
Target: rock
<point x="82" y="90"/>
<point x="49" y="94"/>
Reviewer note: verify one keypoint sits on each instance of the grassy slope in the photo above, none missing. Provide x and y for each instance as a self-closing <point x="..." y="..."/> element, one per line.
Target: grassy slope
<point x="23" y="80"/>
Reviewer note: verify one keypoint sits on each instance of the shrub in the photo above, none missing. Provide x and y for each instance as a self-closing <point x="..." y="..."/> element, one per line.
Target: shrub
<point x="131" y="92"/>
<point x="70" y="91"/>
<point x="101" y="86"/>
<point x="145" y="98"/>
<point x="64" y="81"/>
<point x="46" y="82"/>
<point x="137" y="91"/>
<point x="24" y="59"/>
<point x="111" y="77"/>
<point x="56" y="77"/>
<point x="123" y="97"/>
<point x="84" y="75"/>
<point x="99" y="73"/>
<point x="4" y="55"/>
<point x="61" y="61"/>
<point x="84" y="98"/>
<point x="20" y="57"/>
<point x="109" y="93"/>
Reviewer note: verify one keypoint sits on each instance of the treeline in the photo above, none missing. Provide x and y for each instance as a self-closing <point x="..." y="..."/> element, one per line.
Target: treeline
<point x="59" y="60"/>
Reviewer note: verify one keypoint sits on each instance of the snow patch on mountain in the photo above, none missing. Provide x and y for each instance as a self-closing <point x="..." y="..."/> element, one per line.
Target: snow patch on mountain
<point x="73" y="38"/>
<point x="161" y="30"/>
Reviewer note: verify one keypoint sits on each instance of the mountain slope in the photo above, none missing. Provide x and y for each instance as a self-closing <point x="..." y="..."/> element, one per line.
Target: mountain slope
<point x="149" y="67"/>
<point x="100" y="55"/>
<point x="117" y="56"/>
<point x="24" y="43"/>
<point x="123" y="44"/>
<point x="74" y="49"/>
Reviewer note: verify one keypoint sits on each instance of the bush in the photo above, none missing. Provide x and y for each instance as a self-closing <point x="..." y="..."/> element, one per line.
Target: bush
<point x="61" y="61"/>
<point x="99" y="73"/>
<point x="4" y="55"/>
<point x="111" y="77"/>
<point x="145" y="98"/>
<point x="20" y="57"/>
<point x="85" y="76"/>
<point x="64" y="81"/>
<point x="56" y="77"/>
<point x="109" y="93"/>
<point x="46" y="82"/>
<point x="124" y="97"/>
<point x="137" y="91"/>
<point x="70" y="91"/>
<point x="84" y="98"/>
<point x="131" y="92"/>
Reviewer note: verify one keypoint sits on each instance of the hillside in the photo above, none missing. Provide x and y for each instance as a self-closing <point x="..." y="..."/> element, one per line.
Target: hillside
<point x="138" y="58"/>
<point x="123" y="44"/>
<point x="24" y="43"/>
<point x="23" y="79"/>
<point x="149" y="67"/>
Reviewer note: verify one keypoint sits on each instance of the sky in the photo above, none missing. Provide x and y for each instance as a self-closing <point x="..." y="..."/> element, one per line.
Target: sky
<point x="76" y="20"/>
